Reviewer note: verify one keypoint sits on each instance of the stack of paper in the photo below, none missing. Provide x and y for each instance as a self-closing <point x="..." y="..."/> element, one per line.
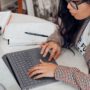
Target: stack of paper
<point x="4" y="19"/>
<point x="16" y="35"/>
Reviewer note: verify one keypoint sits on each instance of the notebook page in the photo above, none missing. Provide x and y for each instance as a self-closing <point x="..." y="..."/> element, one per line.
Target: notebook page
<point x="4" y="18"/>
<point x="15" y="32"/>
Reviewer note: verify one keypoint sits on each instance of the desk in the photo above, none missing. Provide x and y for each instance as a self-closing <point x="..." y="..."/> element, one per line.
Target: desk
<point x="8" y="80"/>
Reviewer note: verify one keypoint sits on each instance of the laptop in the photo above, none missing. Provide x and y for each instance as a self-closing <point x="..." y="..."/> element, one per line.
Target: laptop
<point x="19" y="62"/>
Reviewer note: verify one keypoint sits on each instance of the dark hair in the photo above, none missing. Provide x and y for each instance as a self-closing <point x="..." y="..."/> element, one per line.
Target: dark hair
<point x="87" y="1"/>
<point x="72" y="26"/>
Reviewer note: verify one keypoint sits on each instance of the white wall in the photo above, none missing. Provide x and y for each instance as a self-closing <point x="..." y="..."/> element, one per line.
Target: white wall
<point x="5" y="3"/>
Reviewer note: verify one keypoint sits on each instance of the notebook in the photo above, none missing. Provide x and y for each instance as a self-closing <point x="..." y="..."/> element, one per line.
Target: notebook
<point x="2" y="87"/>
<point x="19" y="63"/>
<point x="15" y="32"/>
<point x="4" y="18"/>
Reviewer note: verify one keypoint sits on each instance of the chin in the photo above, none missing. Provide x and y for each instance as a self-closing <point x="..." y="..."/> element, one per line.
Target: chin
<point x="75" y="16"/>
<point x="78" y="18"/>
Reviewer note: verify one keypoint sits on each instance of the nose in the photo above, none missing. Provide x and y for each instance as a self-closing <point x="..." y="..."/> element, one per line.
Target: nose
<point x="69" y="6"/>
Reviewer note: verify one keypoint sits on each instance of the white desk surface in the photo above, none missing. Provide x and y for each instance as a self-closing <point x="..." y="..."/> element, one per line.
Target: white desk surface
<point x="8" y="80"/>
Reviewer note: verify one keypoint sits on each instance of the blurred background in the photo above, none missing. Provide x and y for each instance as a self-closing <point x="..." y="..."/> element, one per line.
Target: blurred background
<point x="46" y="9"/>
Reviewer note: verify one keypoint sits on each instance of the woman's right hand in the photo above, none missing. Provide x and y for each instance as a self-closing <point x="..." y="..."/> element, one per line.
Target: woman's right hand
<point x="54" y="49"/>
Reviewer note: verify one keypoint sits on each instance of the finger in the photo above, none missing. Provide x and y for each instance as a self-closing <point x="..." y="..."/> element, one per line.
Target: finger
<point x="57" y="55"/>
<point x="39" y="76"/>
<point x="52" y="54"/>
<point x="42" y="44"/>
<point x="41" y="61"/>
<point x="35" y="73"/>
<point x="43" y="48"/>
<point x="46" y="51"/>
<point x="34" y="68"/>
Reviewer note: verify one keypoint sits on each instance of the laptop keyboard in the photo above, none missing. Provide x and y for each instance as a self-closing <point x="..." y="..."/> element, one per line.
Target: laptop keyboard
<point x="20" y="62"/>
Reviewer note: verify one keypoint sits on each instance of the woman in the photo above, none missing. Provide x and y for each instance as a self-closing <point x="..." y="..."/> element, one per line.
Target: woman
<point x="74" y="31"/>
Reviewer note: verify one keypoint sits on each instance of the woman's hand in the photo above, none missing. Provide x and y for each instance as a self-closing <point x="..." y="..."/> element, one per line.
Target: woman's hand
<point x="42" y="70"/>
<point x="54" y="49"/>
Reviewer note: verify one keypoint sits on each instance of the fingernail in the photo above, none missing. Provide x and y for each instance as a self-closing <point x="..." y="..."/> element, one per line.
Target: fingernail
<point x="34" y="78"/>
<point x="41" y="53"/>
<point x="44" y="55"/>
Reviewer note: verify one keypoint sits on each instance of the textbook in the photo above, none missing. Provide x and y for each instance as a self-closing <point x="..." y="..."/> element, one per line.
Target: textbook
<point x="28" y="33"/>
<point x="4" y="19"/>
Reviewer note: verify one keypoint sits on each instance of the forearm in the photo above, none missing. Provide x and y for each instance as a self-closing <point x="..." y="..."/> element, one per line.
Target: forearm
<point x="73" y="76"/>
<point x="87" y="56"/>
<point x="56" y="37"/>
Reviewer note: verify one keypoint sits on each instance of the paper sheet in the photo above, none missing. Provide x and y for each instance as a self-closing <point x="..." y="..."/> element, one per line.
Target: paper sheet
<point x="15" y="32"/>
<point x="4" y="18"/>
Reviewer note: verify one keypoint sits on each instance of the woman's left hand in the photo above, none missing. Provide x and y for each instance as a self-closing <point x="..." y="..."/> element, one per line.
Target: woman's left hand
<point x="41" y="70"/>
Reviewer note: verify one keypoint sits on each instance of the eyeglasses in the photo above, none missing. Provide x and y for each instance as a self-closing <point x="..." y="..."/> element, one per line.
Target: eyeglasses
<point x="74" y="4"/>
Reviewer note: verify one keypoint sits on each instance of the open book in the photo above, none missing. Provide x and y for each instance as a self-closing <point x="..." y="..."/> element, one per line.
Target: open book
<point x="16" y="35"/>
<point x="4" y="19"/>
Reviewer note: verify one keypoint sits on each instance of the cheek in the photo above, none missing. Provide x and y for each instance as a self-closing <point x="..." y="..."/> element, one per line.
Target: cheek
<point x="82" y="14"/>
<point x="79" y="16"/>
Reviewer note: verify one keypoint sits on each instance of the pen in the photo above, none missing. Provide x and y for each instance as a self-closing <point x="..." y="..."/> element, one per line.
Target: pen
<point x="24" y="44"/>
<point x="0" y="28"/>
<point x="36" y="34"/>
<point x="8" y="41"/>
<point x="32" y="44"/>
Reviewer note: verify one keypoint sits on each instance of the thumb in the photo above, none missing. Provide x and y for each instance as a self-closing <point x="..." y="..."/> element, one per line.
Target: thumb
<point x="42" y="44"/>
